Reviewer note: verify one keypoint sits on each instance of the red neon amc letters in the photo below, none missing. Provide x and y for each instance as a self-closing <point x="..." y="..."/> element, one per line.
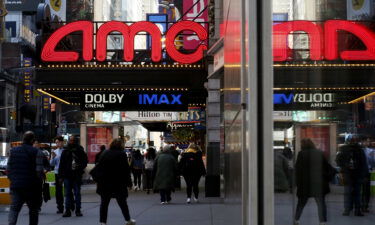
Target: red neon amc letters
<point x="129" y="32"/>
<point x="329" y="40"/>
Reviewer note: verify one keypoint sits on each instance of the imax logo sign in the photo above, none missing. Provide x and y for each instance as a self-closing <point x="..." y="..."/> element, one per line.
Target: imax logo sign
<point x="303" y="98"/>
<point x="159" y="99"/>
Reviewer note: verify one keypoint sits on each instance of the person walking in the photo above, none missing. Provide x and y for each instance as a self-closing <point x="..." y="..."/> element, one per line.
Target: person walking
<point x="353" y="163"/>
<point x="55" y="162"/>
<point x="149" y="166"/>
<point x="281" y="170"/>
<point x="366" y="186"/>
<point x="72" y="165"/>
<point x="313" y="173"/>
<point x="113" y="180"/>
<point x="25" y="179"/>
<point x="192" y="169"/>
<point x="165" y="170"/>
<point x="97" y="156"/>
<point x="136" y="165"/>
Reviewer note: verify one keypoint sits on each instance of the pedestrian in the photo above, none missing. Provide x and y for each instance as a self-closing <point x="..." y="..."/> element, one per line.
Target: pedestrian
<point x="72" y="165"/>
<point x="165" y="170"/>
<point x="192" y="168"/>
<point x="136" y="165"/>
<point x="43" y="166"/>
<point x="55" y="162"/>
<point x="366" y="186"/>
<point x="114" y="180"/>
<point x="25" y="179"/>
<point x="313" y="173"/>
<point x="97" y="156"/>
<point x="281" y="171"/>
<point x="352" y="161"/>
<point x="149" y="166"/>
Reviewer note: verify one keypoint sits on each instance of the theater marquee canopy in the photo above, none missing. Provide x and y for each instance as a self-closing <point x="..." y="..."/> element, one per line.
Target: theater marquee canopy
<point x="79" y="67"/>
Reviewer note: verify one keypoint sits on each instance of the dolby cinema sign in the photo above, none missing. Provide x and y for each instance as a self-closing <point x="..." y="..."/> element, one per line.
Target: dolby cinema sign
<point x="135" y="101"/>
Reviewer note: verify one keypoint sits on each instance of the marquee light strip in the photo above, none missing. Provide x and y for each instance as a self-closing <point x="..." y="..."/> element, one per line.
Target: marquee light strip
<point x="53" y="96"/>
<point x="81" y="66"/>
<point x="114" y="89"/>
<point x="309" y="89"/>
<point x="361" y="98"/>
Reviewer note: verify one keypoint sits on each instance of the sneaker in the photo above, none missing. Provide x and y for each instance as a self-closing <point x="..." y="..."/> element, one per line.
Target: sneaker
<point x="188" y="200"/>
<point x="103" y="224"/>
<point x="196" y="200"/>
<point x="296" y="222"/>
<point x="67" y="214"/>
<point x="130" y="222"/>
<point x="163" y="203"/>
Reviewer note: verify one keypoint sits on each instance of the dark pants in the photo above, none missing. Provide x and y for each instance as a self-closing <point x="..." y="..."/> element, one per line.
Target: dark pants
<point x="192" y="183"/>
<point x="352" y="195"/>
<point x="137" y="174"/>
<point x="322" y="208"/>
<point x="149" y="179"/>
<point x="72" y="186"/>
<point x="165" y="195"/>
<point x="121" y="200"/>
<point x="59" y="193"/>
<point x="21" y="196"/>
<point x="366" y="192"/>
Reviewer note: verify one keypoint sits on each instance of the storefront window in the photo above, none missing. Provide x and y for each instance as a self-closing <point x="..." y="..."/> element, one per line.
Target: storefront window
<point x="324" y="111"/>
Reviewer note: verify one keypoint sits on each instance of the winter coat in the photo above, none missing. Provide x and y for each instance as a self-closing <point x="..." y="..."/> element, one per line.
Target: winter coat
<point x="191" y="164"/>
<point x="22" y="167"/>
<point x="352" y="161"/>
<point x="69" y="170"/>
<point x="281" y="170"/>
<point x="115" y="170"/>
<point x="165" y="170"/>
<point x="312" y="173"/>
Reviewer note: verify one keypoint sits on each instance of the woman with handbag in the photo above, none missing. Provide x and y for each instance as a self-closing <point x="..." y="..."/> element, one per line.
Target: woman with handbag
<point x="112" y="174"/>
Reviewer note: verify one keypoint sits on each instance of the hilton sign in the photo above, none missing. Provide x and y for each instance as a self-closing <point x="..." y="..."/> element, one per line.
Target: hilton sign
<point x="49" y="54"/>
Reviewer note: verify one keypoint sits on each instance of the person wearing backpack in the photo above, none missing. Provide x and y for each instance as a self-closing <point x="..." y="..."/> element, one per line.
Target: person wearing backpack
<point x="149" y="166"/>
<point x="191" y="167"/>
<point x="352" y="161"/>
<point x="137" y="169"/>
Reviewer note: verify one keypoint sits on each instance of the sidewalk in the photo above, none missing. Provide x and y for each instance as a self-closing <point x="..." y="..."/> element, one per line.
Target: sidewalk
<point x="146" y="209"/>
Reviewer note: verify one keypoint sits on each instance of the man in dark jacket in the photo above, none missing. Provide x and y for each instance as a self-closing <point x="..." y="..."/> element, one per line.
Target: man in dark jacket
<point x="165" y="169"/>
<point x="72" y="165"/>
<point x="25" y="179"/>
<point x="352" y="161"/>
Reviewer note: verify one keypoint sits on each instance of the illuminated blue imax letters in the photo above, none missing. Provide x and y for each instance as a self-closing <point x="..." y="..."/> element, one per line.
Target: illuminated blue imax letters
<point x="158" y="99"/>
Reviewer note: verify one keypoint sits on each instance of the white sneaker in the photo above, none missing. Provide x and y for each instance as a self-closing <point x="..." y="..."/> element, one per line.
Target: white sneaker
<point x="196" y="200"/>
<point x="188" y="200"/>
<point x="130" y="222"/>
<point x="163" y="203"/>
<point x="103" y="224"/>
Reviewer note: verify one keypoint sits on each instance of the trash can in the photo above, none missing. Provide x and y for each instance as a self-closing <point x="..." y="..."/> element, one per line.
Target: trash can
<point x="4" y="191"/>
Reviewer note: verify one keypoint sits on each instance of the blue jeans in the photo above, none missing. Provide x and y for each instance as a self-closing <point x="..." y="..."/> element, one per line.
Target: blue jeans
<point x="72" y="186"/>
<point x="21" y="196"/>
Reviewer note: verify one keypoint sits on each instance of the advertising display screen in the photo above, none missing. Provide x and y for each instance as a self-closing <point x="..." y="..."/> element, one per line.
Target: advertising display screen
<point x="97" y="136"/>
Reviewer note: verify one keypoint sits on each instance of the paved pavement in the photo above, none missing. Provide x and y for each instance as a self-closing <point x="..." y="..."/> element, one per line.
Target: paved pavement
<point x="209" y="211"/>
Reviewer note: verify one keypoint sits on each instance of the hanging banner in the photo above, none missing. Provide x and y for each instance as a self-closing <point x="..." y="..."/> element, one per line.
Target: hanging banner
<point x="27" y="75"/>
<point x="97" y="136"/>
<point x="360" y="9"/>
<point x="195" y="10"/>
<point x="58" y="8"/>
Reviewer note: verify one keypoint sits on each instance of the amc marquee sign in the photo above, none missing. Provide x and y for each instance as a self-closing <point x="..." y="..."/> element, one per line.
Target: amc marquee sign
<point x="49" y="54"/>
